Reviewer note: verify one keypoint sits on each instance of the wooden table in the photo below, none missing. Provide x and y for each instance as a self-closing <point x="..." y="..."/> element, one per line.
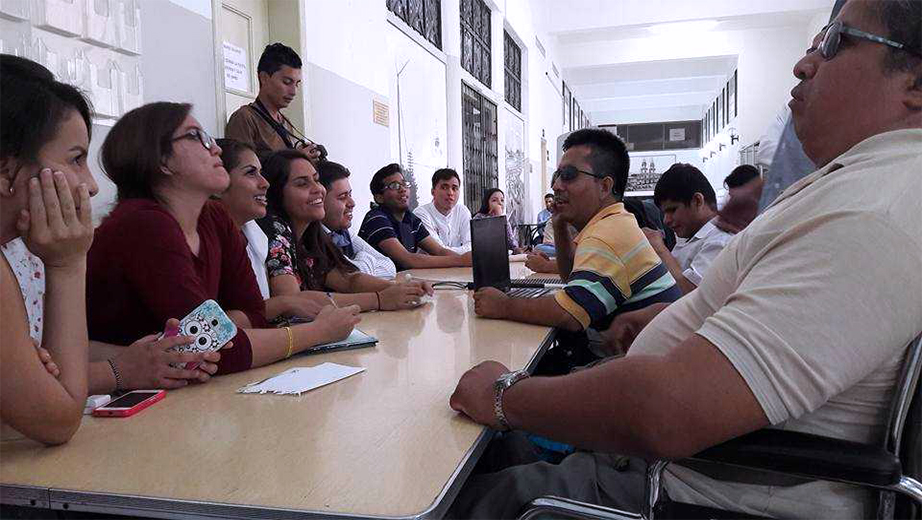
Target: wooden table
<point x="381" y="443"/>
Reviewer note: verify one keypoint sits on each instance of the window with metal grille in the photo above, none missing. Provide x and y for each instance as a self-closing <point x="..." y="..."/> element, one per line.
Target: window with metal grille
<point x="475" y="39"/>
<point x="512" y="58"/>
<point x="424" y="16"/>
<point x="481" y="168"/>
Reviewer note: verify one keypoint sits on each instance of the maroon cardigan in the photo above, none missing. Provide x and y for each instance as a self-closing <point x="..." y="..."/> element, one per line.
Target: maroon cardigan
<point x="140" y="272"/>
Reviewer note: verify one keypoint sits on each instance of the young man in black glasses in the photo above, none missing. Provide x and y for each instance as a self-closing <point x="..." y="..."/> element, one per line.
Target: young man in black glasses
<point x="613" y="269"/>
<point x="801" y="323"/>
<point x="261" y="124"/>
<point x="394" y="230"/>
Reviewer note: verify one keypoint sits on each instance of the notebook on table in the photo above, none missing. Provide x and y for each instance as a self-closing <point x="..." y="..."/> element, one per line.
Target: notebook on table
<point x="357" y="339"/>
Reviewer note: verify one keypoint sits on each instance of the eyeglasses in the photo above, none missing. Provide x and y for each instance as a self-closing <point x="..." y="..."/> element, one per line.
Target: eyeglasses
<point x="570" y="173"/>
<point x="202" y="136"/>
<point x="396" y="185"/>
<point x="832" y="36"/>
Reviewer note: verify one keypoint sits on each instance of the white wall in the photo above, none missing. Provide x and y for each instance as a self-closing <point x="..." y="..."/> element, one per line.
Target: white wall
<point x="766" y="63"/>
<point x="647" y="115"/>
<point x="347" y="37"/>
<point x="355" y="46"/>
<point x="418" y="117"/>
<point x="341" y="119"/>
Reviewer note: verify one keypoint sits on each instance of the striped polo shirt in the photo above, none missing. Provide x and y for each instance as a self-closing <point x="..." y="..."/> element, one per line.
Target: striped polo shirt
<point x="615" y="270"/>
<point x="380" y="224"/>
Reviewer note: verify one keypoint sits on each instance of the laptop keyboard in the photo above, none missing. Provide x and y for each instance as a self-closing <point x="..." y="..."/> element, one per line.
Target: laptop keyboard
<point x="535" y="282"/>
<point x="527" y="292"/>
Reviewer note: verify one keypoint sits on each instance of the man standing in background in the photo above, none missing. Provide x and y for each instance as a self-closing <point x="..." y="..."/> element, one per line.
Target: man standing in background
<point x="261" y="124"/>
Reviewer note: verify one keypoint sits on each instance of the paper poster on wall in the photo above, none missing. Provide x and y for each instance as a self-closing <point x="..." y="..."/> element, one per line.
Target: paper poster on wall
<point x="517" y="206"/>
<point x="676" y="134"/>
<point x="380" y="113"/>
<point x="645" y="172"/>
<point x="236" y="71"/>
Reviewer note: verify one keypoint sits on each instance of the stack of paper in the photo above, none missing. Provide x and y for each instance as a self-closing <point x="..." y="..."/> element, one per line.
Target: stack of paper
<point x="301" y="379"/>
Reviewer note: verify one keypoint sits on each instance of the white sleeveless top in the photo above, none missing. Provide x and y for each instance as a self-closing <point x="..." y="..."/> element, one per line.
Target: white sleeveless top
<point x="30" y="273"/>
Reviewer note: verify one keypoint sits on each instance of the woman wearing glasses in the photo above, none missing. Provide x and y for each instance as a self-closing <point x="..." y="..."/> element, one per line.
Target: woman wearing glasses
<point x="166" y="248"/>
<point x="494" y="205"/>
<point x="302" y="256"/>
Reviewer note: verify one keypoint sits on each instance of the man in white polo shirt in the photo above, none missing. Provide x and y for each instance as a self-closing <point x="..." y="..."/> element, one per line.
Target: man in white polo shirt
<point x="689" y="207"/>
<point x="448" y="222"/>
<point x="801" y="322"/>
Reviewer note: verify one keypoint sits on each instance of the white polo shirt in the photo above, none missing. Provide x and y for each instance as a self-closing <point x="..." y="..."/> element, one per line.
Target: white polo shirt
<point x="696" y="254"/>
<point x="452" y="231"/>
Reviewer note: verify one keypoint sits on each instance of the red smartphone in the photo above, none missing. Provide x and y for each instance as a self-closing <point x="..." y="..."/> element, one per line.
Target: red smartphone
<point x="129" y="403"/>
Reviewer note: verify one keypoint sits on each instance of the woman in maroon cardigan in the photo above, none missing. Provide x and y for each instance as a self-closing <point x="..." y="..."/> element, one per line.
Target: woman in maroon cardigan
<point x="165" y="248"/>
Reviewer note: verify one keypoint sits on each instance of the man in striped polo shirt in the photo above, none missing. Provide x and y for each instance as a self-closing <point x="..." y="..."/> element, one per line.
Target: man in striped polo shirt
<point x="614" y="268"/>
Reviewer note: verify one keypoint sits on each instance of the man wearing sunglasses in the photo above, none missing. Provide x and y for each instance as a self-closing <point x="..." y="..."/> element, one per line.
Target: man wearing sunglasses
<point x="801" y="323"/>
<point x="394" y="230"/>
<point x="613" y="268"/>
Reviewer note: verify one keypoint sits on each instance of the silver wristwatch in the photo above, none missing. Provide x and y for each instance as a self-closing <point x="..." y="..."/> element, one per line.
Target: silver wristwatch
<point x="502" y="383"/>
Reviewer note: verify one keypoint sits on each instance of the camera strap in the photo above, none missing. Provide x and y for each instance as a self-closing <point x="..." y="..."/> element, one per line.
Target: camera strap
<point x="278" y="127"/>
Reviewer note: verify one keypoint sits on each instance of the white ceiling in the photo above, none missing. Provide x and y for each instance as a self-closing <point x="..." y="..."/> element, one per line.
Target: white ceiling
<point x="621" y="71"/>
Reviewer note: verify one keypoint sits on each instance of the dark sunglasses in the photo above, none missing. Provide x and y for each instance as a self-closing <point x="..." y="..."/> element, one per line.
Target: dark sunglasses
<point x="396" y="185"/>
<point x="202" y="136"/>
<point x="832" y="36"/>
<point x="570" y="173"/>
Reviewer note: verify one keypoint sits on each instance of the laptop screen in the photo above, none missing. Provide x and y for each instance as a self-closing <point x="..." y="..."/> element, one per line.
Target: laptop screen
<point x="489" y="254"/>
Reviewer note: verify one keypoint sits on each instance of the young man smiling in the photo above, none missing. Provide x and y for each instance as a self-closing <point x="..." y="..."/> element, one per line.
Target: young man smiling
<point x="613" y="268"/>
<point x="395" y="231"/>
<point x="448" y="222"/>
<point x="338" y="205"/>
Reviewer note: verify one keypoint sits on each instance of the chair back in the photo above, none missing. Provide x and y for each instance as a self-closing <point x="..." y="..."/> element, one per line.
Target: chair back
<point x="904" y="432"/>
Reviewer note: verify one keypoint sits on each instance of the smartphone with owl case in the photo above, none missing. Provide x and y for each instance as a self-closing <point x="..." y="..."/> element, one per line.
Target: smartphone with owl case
<point x="209" y="327"/>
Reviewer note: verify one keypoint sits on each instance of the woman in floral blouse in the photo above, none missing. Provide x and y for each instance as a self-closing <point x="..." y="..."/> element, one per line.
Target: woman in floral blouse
<point x="301" y="254"/>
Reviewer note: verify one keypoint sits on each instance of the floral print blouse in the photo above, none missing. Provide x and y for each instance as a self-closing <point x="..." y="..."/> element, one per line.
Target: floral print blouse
<point x="30" y="273"/>
<point x="284" y="256"/>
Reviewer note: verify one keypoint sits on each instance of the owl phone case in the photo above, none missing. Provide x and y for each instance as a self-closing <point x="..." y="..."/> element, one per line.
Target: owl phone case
<point x="209" y="326"/>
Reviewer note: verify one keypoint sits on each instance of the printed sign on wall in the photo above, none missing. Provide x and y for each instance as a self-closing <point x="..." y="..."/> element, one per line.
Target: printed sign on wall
<point x="236" y="72"/>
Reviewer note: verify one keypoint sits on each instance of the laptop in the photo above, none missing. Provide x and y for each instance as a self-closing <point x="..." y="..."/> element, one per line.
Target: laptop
<point x="490" y="260"/>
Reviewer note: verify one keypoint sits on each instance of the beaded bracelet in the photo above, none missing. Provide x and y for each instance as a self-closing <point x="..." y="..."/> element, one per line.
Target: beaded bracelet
<point x="118" y="377"/>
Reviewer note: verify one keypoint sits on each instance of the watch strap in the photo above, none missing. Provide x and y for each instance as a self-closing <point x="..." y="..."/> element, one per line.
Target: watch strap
<point x="500" y="386"/>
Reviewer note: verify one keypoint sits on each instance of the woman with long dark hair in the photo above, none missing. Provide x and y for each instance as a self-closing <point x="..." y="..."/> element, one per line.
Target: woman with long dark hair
<point x="166" y="248"/>
<point x="303" y="257"/>
<point x="493" y="204"/>
<point x="245" y="201"/>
